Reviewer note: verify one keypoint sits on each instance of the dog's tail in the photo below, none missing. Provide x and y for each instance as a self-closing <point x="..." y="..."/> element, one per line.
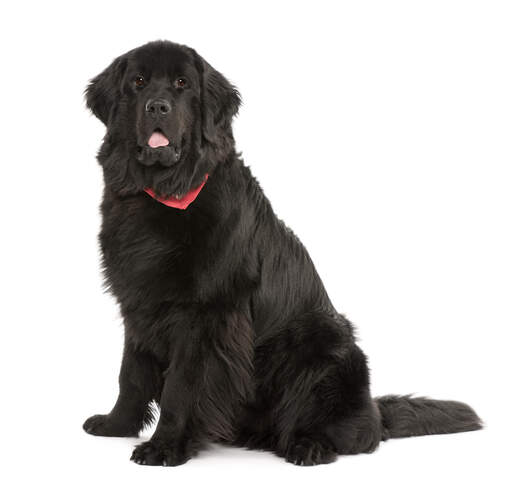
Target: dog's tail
<point x="404" y="416"/>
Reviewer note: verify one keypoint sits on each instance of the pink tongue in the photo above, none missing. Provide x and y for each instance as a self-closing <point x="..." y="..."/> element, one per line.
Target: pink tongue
<point x="157" y="139"/>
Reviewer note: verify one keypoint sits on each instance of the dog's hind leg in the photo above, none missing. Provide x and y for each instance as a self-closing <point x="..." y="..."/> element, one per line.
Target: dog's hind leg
<point x="139" y="383"/>
<point x="320" y="391"/>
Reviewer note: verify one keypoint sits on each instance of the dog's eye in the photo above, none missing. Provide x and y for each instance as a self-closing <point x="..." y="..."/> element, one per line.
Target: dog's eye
<point x="181" y="83"/>
<point x="139" y="81"/>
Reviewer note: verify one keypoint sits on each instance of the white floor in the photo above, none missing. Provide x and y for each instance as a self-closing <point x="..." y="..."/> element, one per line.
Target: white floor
<point x="472" y="459"/>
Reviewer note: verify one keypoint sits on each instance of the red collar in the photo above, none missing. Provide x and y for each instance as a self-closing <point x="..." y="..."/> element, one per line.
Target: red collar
<point x="181" y="203"/>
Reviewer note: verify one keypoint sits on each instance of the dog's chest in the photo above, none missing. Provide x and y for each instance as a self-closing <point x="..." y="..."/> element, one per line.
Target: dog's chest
<point x="146" y="259"/>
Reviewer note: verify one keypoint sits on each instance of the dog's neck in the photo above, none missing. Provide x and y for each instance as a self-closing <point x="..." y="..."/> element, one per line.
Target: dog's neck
<point x="182" y="202"/>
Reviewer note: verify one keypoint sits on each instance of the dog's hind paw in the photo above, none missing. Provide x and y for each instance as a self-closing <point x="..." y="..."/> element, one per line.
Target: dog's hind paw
<point x="308" y="452"/>
<point x="158" y="453"/>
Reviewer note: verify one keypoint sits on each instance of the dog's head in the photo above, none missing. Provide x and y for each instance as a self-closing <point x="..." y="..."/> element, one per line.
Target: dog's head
<point x="168" y="115"/>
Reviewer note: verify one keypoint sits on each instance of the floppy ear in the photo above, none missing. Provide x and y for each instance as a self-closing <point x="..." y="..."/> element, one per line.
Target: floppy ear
<point x="220" y="102"/>
<point x="104" y="89"/>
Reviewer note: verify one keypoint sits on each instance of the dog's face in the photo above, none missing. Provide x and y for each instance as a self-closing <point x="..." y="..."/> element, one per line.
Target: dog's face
<point x="168" y="115"/>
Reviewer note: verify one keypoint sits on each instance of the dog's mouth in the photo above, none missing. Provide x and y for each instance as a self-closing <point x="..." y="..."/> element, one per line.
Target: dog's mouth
<point x="160" y="149"/>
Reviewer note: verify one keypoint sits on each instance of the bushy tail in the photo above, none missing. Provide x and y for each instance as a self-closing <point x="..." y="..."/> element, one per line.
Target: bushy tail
<point x="404" y="416"/>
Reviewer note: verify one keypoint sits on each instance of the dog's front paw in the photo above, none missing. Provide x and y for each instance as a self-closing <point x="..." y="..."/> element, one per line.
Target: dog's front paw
<point x="106" y="425"/>
<point x="158" y="453"/>
<point x="308" y="452"/>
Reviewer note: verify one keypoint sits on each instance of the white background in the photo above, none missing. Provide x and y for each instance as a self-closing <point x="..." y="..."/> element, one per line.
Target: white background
<point x="381" y="133"/>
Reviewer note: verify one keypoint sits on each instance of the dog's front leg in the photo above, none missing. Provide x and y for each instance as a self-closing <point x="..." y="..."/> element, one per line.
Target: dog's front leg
<point x="139" y="384"/>
<point x="208" y="380"/>
<point x="175" y="438"/>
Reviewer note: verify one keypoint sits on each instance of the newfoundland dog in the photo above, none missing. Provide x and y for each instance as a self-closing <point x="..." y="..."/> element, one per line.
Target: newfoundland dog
<point x="228" y="328"/>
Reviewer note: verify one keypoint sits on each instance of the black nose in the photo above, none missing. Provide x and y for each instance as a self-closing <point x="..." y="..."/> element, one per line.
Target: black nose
<point x="158" y="106"/>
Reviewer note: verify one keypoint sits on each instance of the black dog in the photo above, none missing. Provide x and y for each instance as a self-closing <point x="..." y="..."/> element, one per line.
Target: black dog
<point x="228" y="327"/>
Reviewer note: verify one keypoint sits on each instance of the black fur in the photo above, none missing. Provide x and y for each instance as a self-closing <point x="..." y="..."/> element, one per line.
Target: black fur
<point x="228" y="327"/>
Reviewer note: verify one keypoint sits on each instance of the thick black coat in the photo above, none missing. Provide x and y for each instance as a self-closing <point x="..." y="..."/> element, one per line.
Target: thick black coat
<point x="228" y="327"/>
